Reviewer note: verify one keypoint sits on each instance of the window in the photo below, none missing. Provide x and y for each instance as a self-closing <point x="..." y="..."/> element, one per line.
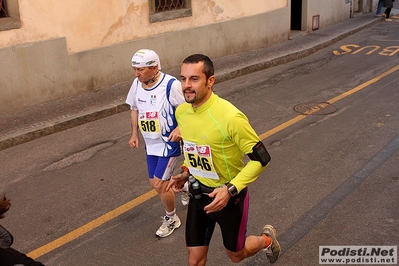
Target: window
<point x="9" y="15"/>
<point x="3" y="10"/>
<point x="166" y="5"/>
<point x="161" y="10"/>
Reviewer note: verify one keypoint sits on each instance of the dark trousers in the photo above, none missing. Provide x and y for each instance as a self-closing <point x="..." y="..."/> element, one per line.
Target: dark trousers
<point x="387" y="12"/>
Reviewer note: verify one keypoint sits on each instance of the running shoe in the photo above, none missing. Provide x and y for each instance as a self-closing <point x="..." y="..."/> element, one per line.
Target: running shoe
<point x="169" y="224"/>
<point x="274" y="249"/>
<point x="185" y="197"/>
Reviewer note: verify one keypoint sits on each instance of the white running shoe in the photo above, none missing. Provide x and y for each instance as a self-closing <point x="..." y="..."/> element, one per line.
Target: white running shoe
<point x="185" y="197"/>
<point x="169" y="224"/>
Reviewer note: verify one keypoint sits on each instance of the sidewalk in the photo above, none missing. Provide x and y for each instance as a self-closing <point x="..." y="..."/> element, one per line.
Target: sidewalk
<point x="24" y="125"/>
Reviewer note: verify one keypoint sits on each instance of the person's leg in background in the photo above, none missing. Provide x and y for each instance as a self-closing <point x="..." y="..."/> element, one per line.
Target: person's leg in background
<point x="387" y="13"/>
<point x="379" y="8"/>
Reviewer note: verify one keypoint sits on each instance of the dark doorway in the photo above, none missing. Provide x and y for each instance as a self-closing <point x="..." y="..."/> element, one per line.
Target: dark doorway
<point x="296" y="14"/>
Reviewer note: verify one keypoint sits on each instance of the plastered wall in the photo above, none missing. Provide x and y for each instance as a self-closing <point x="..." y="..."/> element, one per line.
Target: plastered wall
<point x="41" y="71"/>
<point x="89" y="24"/>
<point x="330" y="12"/>
<point x="69" y="47"/>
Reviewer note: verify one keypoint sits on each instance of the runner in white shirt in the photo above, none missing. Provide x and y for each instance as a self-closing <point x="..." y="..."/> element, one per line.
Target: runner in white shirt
<point x="153" y="98"/>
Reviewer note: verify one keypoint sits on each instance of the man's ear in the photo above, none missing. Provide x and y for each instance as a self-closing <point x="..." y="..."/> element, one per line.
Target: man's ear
<point x="211" y="81"/>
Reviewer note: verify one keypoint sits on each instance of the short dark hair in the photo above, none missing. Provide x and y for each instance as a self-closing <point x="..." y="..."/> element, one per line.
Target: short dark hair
<point x="208" y="69"/>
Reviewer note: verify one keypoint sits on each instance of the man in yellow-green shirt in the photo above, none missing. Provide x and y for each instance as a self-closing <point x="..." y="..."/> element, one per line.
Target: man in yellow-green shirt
<point x="216" y="135"/>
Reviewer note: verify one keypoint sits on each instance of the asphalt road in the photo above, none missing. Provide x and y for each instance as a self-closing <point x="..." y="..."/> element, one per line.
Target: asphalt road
<point x="81" y="196"/>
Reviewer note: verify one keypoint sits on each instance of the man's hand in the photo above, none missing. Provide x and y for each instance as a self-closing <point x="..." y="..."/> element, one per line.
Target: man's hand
<point x="134" y="141"/>
<point x="177" y="182"/>
<point x="220" y="199"/>
<point x="175" y="135"/>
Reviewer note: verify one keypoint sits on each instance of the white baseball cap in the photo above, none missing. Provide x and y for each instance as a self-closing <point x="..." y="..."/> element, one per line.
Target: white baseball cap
<point x="145" y="58"/>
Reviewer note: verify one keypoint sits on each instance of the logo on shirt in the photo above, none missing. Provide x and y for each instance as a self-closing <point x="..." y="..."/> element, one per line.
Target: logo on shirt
<point x="203" y="151"/>
<point x="148" y="115"/>
<point x="153" y="99"/>
<point x="152" y="115"/>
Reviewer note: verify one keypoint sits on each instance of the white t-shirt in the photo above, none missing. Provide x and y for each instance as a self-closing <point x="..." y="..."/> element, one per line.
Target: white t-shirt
<point x="156" y="113"/>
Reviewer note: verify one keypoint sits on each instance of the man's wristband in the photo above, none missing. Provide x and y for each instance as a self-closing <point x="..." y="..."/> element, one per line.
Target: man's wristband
<point x="232" y="189"/>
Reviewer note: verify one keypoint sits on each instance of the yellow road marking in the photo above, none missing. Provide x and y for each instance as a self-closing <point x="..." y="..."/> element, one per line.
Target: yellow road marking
<point x="281" y="127"/>
<point x="331" y="101"/>
<point x="362" y="86"/>
<point x="91" y="225"/>
<point x="137" y="201"/>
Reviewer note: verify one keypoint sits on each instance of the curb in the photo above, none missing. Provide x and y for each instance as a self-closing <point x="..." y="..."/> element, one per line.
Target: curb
<point x="51" y="127"/>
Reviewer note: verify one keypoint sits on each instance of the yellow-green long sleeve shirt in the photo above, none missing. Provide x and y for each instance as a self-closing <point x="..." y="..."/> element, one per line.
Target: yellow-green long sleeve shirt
<point x="216" y="136"/>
